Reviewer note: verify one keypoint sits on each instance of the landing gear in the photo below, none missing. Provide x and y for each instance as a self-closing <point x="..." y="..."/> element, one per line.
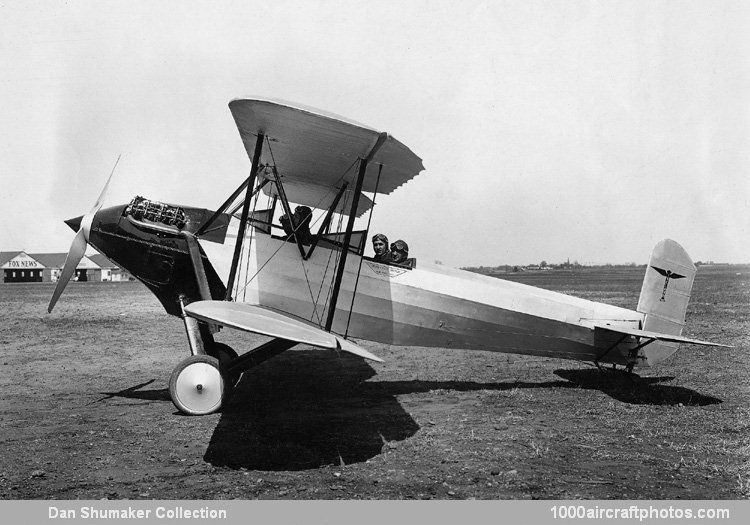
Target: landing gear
<point x="226" y="355"/>
<point x="198" y="385"/>
<point x="202" y="383"/>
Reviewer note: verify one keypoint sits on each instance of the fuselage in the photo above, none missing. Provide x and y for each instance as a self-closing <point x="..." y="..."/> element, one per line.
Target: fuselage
<point x="430" y="305"/>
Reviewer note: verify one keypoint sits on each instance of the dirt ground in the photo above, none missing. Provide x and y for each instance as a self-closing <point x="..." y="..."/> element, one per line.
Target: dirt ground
<point x="85" y="411"/>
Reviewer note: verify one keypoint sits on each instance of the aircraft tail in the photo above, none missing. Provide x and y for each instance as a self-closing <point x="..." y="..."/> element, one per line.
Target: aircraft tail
<point x="664" y="297"/>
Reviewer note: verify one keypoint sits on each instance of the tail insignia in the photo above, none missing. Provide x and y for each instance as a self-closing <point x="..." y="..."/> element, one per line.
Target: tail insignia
<point x="669" y="274"/>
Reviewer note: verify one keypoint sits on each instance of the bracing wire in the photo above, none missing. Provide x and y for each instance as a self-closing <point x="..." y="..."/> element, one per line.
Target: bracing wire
<point x="326" y="305"/>
<point x="239" y="267"/>
<point x="328" y="264"/>
<point x="323" y="280"/>
<point x="359" y="268"/>
<point x="335" y="262"/>
<point x="247" y="283"/>
<point x="312" y="298"/>
<point x="249" y="245"/>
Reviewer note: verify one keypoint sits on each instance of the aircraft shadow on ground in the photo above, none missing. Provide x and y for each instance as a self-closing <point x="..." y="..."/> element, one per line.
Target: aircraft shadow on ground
<point x="304" y="410"/>
<point x="633" y="389"/>
<point x="135" y="392"/>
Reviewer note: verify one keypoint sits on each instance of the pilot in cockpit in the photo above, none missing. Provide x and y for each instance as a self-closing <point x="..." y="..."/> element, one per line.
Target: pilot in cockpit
<point x="400" y="254"/>
<point x="380" y="247"/>
<point x="302" y="216"/>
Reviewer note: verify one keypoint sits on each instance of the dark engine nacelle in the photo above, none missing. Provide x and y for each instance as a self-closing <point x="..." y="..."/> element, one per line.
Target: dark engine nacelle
<point x="147" y="239"/>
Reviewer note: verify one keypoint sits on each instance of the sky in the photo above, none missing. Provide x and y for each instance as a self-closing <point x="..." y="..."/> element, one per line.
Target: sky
<point x="549" y="131"/>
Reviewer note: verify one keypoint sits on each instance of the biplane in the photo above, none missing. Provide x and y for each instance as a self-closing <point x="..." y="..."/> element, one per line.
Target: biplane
<point x="303" y="277"/>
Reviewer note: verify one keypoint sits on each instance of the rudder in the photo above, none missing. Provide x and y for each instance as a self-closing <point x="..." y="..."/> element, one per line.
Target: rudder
<point x="665" y="295"/>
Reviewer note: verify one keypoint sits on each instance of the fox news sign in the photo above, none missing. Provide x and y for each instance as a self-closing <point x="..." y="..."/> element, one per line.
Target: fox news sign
<point x="22" y="262"/>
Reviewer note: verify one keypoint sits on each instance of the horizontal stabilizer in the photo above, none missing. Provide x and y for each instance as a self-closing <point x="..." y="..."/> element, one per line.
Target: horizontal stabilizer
<point x="260" y="320"/>
<point x="656" y="335"/>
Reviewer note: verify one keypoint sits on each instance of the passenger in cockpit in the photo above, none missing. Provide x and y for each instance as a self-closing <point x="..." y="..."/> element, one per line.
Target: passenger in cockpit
<point x="302" y="216"/>
<point x="400" y="254"/>
<point x="380" y="247"/>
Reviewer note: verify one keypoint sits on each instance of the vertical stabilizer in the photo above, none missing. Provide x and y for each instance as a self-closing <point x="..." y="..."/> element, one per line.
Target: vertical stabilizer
<point x="665" y="295"/>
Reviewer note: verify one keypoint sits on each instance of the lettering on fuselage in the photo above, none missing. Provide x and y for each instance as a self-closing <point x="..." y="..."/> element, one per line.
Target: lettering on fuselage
<point x="384" y="270"/>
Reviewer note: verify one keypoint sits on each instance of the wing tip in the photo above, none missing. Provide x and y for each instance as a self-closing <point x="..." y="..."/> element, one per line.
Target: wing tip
<point x="347" y="346"/>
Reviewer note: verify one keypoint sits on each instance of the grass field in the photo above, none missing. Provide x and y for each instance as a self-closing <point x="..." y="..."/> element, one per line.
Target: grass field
<point x="86" y="413"/>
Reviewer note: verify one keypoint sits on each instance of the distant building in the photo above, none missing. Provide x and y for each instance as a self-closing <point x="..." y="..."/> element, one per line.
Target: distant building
<point x="53" y="264"/>
<point x="109" y="270"/>
<point x="19" y="267"/>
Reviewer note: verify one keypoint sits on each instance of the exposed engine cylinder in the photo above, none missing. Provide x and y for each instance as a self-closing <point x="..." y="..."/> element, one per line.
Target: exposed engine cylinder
<point x="141" y="208"/>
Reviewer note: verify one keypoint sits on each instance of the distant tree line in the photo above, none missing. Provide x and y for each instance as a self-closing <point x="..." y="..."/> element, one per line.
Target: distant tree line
<point x="544" y="266"/>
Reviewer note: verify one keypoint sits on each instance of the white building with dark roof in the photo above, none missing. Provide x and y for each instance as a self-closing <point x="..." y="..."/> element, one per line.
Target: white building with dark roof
<point x="19" y="267"/>
<point x="109" y="270"/>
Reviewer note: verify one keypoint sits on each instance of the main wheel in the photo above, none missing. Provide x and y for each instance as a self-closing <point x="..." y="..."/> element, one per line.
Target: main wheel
<point x="225" y="354"/>
<point x="198" y="385"/>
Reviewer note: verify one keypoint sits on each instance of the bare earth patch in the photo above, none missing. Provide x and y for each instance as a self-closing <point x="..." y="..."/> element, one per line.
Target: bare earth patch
<point x="86" y="413"/>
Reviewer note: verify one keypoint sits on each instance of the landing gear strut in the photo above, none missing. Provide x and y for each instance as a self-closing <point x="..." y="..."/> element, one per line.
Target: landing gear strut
<point x="201" y="384"/>
<point x="226" y="356"/>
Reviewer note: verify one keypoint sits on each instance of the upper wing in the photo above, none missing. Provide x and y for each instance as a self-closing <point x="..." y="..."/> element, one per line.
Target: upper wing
<point x="260" y="320"/>
<point x="655" y="335"/>
<point x="313" y="147"/>
<point x="318" y="196"/>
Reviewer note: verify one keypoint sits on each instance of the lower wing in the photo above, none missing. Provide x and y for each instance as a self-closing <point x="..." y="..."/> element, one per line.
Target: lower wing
<point x="260" y="320"/>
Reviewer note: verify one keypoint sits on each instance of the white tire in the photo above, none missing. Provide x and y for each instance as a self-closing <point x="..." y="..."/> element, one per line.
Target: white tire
<point x="198" y="385"/>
